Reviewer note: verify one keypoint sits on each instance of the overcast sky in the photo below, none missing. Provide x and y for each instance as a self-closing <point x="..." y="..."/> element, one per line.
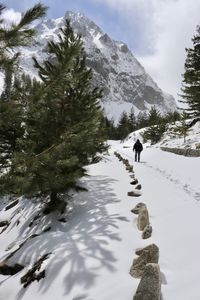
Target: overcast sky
<point x="157" y="31"/>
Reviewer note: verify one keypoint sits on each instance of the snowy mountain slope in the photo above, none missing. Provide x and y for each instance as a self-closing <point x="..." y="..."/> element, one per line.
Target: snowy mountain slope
<point x="123" y="79"/>
<point x="90" y="255"/>
<point x="192" y="139"/>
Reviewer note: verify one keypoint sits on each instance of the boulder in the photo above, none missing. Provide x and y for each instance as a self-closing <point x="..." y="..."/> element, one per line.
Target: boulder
<point x="138" y="206"/>
<point x="149" y="287"/>
<point x="147" y="232"/>
<point x="149" y="254"/>
<point x="134" y="182"/>
<point x="134" y="193"/>
<point x="138" y="187"/>
<point x="143" y="218"/>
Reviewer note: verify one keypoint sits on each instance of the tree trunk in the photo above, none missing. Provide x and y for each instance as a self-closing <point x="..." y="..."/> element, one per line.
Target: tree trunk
<point x="53" y="197"/>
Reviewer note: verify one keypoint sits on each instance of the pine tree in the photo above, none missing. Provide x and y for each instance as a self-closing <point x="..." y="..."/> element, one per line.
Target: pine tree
<point x="191" y="77"/>
<point x="132" y="121"/>
<point x="64" y="127"/>
<point x="123" y="126"/>
<point x="172" y="117"/>
<point x="154" y="116"/>
<point x="181" y="128"/>
<point x="11" y="117"/>
<point x="142" y="120"/>
<point x="111" y="131"/>
<point x="156" y="126"/>
<point x="154" y="133"/>
<point x="15" y="36"/>
<point x="11" y="104"/>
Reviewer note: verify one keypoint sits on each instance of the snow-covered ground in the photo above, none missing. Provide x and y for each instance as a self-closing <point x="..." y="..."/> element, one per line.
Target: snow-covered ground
<point x="192" y="139"/>
<point x="91" y="254"/>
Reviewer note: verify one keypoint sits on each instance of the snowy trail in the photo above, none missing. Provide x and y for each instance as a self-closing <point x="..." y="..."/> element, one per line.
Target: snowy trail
<point x="92" y="252"/>
<point x="182" y="171"/>
<point x="171" y="191"/>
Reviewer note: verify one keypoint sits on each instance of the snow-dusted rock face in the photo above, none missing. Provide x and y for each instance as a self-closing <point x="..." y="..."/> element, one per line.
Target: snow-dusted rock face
<point x="124" y="81"/>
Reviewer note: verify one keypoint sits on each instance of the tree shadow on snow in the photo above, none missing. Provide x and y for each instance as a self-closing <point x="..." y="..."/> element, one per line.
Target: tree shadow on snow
<point x="79" y="248"/>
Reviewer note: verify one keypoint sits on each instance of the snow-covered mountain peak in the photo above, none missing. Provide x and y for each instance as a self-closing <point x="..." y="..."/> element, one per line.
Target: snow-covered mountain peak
<point x="123" y="79"/>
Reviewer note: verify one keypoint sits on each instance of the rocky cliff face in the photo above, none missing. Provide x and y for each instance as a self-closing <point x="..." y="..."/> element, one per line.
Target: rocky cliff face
<point x="123" y="79"/>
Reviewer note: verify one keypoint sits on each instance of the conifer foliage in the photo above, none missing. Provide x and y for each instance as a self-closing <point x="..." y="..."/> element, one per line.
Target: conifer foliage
<point x="157" y="126"/>
<point x="191" y="77"/>
<point x="63" y="123"/>
<point x="182" y="127"/>
<point x="11" y="103"/>
<point x="14" y="36"/>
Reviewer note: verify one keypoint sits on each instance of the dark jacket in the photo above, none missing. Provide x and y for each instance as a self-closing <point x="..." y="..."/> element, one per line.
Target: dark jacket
<point x="138" y="146"/>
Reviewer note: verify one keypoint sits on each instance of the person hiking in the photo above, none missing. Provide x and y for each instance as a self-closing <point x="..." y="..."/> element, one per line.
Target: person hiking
<point x="137" y="147"/>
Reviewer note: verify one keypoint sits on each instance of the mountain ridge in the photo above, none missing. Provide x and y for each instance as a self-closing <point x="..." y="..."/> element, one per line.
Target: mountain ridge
<point x="123" y="79"/>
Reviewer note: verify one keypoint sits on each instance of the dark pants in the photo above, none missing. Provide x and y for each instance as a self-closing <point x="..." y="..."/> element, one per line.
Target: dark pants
<point x="137" y="155"/>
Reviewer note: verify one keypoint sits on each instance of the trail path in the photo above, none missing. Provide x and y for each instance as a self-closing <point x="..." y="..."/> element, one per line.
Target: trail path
<point x="171" y="190"/>
<point x="93" y="251"/>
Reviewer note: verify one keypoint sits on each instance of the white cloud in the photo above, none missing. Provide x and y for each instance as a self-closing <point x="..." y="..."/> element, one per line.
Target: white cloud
<point x="11" y="16"/>
<point x="175" y="26"/>
<point x="167" y="27"/>
<point x="157" y="31"/>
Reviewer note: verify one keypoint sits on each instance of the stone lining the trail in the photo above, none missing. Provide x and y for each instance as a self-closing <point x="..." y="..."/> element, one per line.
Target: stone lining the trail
<point x="134" y="182"/>
<point x="129" y="168"/>
<point x="147" y="232"/>
<point x="146" y="264"/>
<point x="138" y="187"/>
<point x="143" y="216"/>
<point x="137" y="208"/>
<point x="181" y="151"/>
<point x="134" y="193"/>
<point x="149" y="254"/>
<point x="149" y="287"/>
